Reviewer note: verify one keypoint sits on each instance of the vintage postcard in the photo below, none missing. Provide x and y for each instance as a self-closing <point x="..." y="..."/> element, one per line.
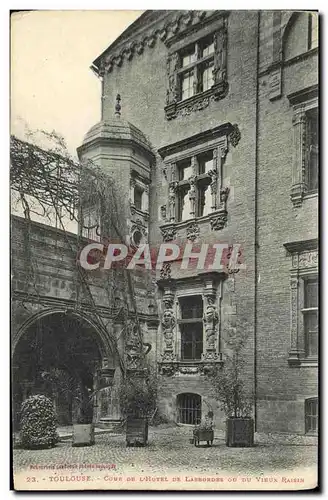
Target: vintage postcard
<point x="164" y="250"/>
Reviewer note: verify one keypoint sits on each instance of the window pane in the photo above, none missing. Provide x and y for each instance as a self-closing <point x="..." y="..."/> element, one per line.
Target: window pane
<point x="138" y="197"/>
<point x="204" y="200"/>
<point x="313" y="149"/>
<point x="183" y="204"/>
<point x="187" y="88"/>
<point x="188" y="57"/>
<point x="184" y="170"/>
<point x="191" y="307"/>
<point x="314" y="36"/>
<point x="191" y="341"/>
<point x="311" y="294"/>
<point x="311" y="333"/>
<point x="208" y="48"/>
<point x="311" y="415"/>
<point x="207" y="77"/>
<point x="205" y="162"/>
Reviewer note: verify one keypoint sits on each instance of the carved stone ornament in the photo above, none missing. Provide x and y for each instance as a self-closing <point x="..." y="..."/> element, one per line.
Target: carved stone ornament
<point x="165" y="272"/>
<point x="168" y="356"/>
<point x="224" y="193"/>
<point x="168" y="232"/>
<point x="218" y="220"/>
<point x="188" y="369"/>
<point x="133" y="346"/>
<point x="193" y="231"/>
<point x="234" y="136"/>
<point x="163" y="212"/>
<point x="308" y="259"/>
<point x="167" y="369"/>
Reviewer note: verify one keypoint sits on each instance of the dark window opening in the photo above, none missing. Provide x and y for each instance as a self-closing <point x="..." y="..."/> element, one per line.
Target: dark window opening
<point x="191" y="341"/>
<point x="189" y="408"/>
<point x="191" y="327"/>
<point x="313" y="150"/>
<point x="138" y="197"/>
<point x="311" y="415"/>
<point x="191" y="307"/>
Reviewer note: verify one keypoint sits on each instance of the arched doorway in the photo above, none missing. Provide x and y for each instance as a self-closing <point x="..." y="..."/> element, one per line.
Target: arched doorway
<point x="56" y="343"/>
<point x="189" y="406"/>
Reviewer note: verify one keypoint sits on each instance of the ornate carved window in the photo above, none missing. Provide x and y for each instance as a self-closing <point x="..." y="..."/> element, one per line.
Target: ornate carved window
<point x="197" y="69"/>
<point x="190" y="326"/>
<point x="304" y="303"/>
<point x="194" y="174"/>
<point x="306" y="147"/>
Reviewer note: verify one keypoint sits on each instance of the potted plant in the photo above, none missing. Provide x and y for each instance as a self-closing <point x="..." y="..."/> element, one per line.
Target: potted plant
<point x="138" y="402"/>
<point x="236" y="398"/>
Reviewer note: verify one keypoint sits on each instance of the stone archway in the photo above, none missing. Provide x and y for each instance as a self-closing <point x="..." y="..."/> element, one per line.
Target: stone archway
<point x="62" y="341"/>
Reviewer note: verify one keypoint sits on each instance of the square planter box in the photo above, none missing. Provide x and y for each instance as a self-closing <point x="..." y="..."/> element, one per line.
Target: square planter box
<point x="136" y="431"/>
<point x="83" y="435"/>
<point x="203" y="435"/>
<point x="240" y="432"/>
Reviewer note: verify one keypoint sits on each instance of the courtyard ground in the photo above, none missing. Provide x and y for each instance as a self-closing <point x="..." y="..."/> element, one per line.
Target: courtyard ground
<point x="291" y="459"/>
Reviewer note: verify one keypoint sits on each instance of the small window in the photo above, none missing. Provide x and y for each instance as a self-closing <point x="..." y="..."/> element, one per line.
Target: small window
<point x="138" y="197"/>
<point x="310" y="317"/>
<point x="311" y="415"/>
<point x="313" y="31"/>
<point x="313" y="149"/>
<point x="189" y="408"/>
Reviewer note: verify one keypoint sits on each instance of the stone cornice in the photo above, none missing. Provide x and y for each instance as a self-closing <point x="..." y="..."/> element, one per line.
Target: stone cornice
<point x="222" y="130"/>
<point x="168" y="27"/>
<point x="303" y="95"/>
<point x="301" y="246"/>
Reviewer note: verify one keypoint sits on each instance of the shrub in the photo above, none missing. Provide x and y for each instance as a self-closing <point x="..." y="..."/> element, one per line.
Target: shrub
<point x="138" y="396"/>
<point x="38" y="423"/>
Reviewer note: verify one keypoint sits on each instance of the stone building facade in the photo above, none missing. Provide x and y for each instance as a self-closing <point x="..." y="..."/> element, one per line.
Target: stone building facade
<point x="214" y="140"/>
<point x="229" y="104"/>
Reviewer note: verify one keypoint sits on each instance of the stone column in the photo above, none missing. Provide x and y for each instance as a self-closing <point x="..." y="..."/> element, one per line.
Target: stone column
<point x="299" y="160"/>
<point x="211" y="319"/>
<point x="294" y="353"/>
<point x="168" y="323"/>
